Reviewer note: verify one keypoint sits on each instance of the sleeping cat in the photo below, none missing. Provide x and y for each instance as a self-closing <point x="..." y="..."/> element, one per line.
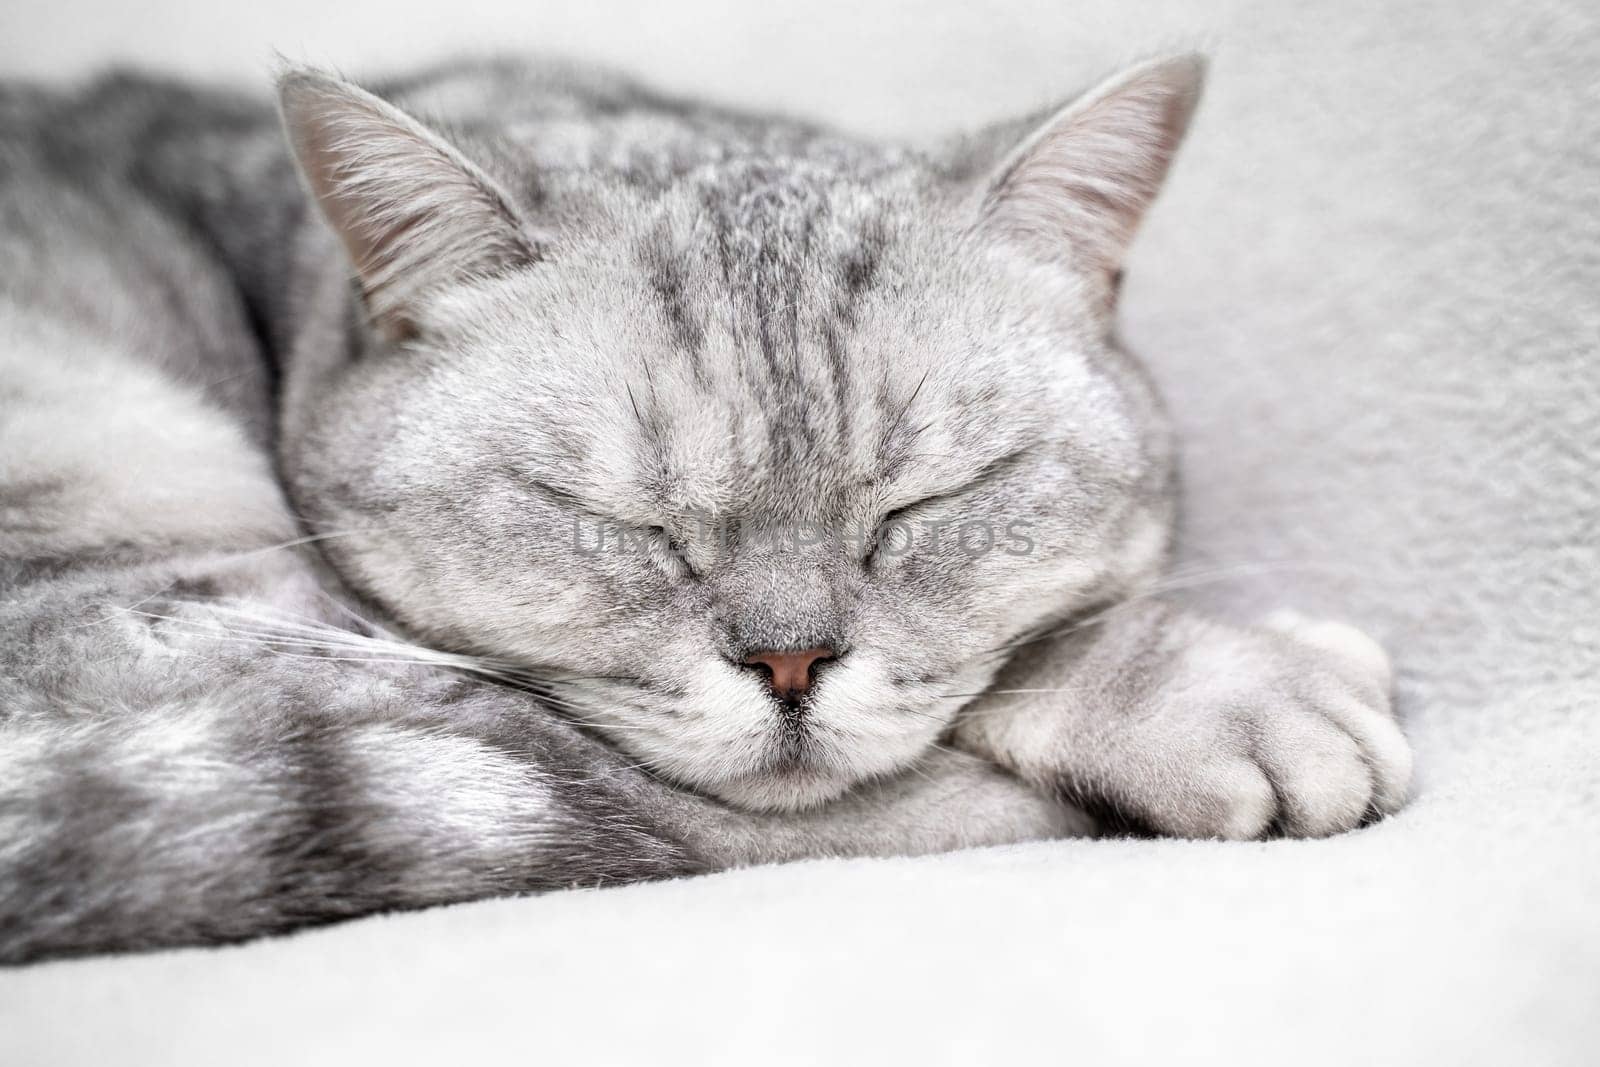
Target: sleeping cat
<point x="515" y="478"/>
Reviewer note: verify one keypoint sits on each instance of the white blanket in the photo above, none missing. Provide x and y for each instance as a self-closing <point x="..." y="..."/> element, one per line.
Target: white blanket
<point x="1373" y="297"/>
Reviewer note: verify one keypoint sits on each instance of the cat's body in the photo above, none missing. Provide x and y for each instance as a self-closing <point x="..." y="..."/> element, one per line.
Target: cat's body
<point x="589" y="305"/>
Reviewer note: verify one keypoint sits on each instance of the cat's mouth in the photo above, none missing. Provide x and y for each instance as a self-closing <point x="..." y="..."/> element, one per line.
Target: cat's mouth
<point x="796" y="773"/>
<point x="808" y="771"/>
<point x="746" y="748"/>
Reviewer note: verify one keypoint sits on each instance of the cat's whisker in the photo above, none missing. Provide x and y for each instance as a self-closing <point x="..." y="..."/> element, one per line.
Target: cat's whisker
<point x="1002" y="709"/>
<point x="1051" y="689"/>
<point x="267" y="638"/>
<point x="919" y="713"/>
<point x="330" y="639"/>
<point x="609" y="726"/>
<point x="270" y="615"/>
<point x="271" y="623"/>
<point x="1179" y="579"/>
<point x="307" y="539"/>
<point x="225" y="560"/>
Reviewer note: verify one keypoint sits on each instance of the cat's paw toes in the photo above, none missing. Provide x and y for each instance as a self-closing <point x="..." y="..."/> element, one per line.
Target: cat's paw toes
<point x="1340" y="640"/>
<point x="1230" y="798"/>
<point x="1333" y="762"/>
<point x="1285" y="736"/>
<point x="1349" y="684"/>
<point x="1291" y="774"/>
<point x="1222" y="731"/>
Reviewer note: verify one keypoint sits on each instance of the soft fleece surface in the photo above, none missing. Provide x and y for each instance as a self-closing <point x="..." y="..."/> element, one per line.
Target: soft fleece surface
<point x="1373" y="295"/>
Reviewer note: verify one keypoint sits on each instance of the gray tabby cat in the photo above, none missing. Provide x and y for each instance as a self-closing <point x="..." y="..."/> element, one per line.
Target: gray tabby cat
<point x="403" y="515"/>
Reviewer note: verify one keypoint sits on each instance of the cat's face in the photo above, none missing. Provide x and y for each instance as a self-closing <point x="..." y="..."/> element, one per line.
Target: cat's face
<point x="763" y="470"/>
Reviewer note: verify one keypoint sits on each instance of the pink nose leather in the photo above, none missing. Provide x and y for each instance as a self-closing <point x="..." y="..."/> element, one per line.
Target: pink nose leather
<point x="789" y="673"/>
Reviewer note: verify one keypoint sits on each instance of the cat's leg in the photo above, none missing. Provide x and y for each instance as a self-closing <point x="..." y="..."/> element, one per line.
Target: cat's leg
<point x="189" y="772"/>
<point x="1189" y="726"/>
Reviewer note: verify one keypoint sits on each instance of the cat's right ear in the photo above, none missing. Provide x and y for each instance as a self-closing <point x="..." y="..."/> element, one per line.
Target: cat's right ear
<point x="413" y="212"/>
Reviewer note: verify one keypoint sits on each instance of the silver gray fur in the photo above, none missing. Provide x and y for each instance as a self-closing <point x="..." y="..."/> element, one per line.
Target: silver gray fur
<point x="230" y="480"/>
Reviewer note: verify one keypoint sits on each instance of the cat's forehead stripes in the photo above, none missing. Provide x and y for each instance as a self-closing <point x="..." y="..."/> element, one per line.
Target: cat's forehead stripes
<point x="761" y="277"/>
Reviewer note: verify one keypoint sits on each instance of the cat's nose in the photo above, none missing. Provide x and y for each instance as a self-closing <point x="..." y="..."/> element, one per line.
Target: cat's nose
<point x="790" y="673"/>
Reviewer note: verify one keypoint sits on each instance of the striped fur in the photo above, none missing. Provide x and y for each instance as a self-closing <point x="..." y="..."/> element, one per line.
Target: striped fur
<point x="298" y="621"/>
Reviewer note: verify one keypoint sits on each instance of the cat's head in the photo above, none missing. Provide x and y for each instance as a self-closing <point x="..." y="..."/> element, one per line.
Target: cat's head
<point x="763" y="445"/>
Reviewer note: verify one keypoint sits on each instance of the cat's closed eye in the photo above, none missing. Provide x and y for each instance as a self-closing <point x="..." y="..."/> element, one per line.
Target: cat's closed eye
<point x="673" y="554"/>
<point x="897" y="524"/>
<point x="896" y="531"/>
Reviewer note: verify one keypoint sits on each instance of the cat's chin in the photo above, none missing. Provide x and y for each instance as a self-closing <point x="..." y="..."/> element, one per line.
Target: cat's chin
<point x="808" y="777"/>
<point x="789" y="789"/>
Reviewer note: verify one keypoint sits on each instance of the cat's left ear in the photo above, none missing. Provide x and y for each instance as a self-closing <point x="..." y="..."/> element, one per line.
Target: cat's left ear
<point x="413" y="212"/>
<point x="1078" y="187"/>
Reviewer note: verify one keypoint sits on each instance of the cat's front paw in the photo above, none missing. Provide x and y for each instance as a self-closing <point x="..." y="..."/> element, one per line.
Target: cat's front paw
<point x="1285" y="728"/>
<point x="1185" y="726"/>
